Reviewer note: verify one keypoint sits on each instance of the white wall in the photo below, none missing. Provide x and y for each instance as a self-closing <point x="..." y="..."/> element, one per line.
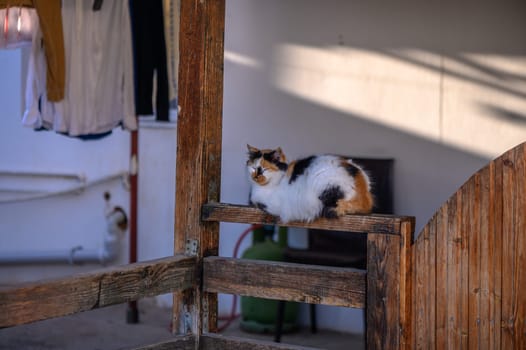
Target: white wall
<point x="56" y="223"/>
<point x="438" y="86"/>
<point x="155" y="226"/>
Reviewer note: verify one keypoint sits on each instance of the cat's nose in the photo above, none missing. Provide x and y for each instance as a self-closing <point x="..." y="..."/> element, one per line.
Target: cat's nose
<point x="259" y="171"/>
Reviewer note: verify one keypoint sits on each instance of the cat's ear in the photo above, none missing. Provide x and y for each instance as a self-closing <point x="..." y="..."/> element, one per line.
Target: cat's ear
<point x="253" y="153"/>
<point x="252" y="149"/>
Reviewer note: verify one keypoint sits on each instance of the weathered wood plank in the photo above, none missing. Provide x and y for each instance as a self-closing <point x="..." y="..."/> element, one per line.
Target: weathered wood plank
<point x="509" y="266"/>
<point x="406" y="284"/>
<point x="219" y="342"/>
<point x="388" y="224"/>
<point x="186" y="342"/>
<point x="458" y="270"/>
<point x="36" y="301"/>
<point x="420" y="305"/>
<point x="199" y="132"/>
<point x="430" y="293"/>
<point x="441" y="320"/>
<point x="495" y="253"/>
<point x="383" y="298"/>
<point x="285" y="281"/>
<point x="514" y="251"/>
<point x="520" y="224"/>
<point x="485" y="220"/>
<point x="472" y="219"/>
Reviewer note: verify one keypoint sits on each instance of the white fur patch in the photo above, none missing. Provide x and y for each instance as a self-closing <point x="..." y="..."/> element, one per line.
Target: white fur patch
<point x="299" y="200"/>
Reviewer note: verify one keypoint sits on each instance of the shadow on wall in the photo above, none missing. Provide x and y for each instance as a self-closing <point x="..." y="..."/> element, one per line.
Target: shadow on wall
<point x="438" y="86"/>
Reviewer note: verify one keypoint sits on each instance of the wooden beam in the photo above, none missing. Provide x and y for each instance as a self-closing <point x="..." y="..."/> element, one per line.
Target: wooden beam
<point x="186" y="342"/>
<point x="388" y="224"/>
<point x="199" y="132"/>
<point x="383" y="291"/>
<point x="36" y="301"/>
<point x="218" y="342"/>
<point x="285" y="281"/>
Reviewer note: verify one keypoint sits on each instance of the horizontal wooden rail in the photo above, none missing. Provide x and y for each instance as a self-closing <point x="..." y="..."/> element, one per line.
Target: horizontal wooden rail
<point x="389" y="224"/>
<point x="36" y="301"/>
<point x="183" y="342"/>
<point x="210" y="341"/>
<point x="285" y="281"/>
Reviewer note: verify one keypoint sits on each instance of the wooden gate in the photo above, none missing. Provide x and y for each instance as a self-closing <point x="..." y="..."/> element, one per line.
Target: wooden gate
<point x="470" y="263"/>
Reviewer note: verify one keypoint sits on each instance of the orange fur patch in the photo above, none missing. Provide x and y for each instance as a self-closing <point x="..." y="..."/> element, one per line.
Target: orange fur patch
<point x="361" y="203"/>
<point x="290" y="169"/>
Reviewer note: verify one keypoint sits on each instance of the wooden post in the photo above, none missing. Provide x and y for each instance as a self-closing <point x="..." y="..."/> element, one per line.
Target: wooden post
<point x="389" y="287"/>
<point x="199" y="131"/>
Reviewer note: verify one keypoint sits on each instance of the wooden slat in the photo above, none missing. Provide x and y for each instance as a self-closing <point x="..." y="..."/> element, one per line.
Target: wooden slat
<point x="406" y="284"/>
<point x="485" y="217"/>
<point x="472" y="218"/>
<point x="421" y="330"/>
<point x="199" y="131"/>
<point x="520" y="224"/>
<point x="495" y="253"/>
<point x="430" y="252"/>
<point x="186" y="342"/>
<point x="458" y="277"/>
<point x="508" y="252"/>
<point x="388" y="224"/>
<point x="383" y="298"/>
<point x="441" y="320"/>
<point x="285" y="281"/>
<point x="219" y="342"/>
<point x="60" y="297"/>
<point x="514" y="251"/>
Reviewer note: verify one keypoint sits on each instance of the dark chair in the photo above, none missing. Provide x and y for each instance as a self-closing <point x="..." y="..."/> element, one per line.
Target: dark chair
<point x="342" y="249"/>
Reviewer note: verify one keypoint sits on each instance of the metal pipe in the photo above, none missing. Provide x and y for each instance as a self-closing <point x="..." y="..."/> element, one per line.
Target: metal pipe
<point x="74" y="189"/>
<point x="115" y="231"/>
<point x="23" y="173"/>
<point x="76" y="255"/>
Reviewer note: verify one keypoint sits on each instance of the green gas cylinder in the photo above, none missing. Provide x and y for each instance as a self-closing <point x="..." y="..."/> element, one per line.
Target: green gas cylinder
<point x="257" y="314"/>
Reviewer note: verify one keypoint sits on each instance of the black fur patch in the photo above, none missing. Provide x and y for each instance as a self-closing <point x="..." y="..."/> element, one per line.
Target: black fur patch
<point x="352" y="169"/>
<point x="300" y="167"/>
<point x="254" y="155"/>
<point x="271" y="157"/>
<point x="282" y="166"/>
<point x="329" y="197"/>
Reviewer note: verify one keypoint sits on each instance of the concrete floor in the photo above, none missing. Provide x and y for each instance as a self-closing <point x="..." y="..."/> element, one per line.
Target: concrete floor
<point x="106" y="329"/>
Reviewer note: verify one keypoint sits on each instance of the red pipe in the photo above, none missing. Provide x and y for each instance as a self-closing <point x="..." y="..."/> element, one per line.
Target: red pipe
<point x="132" y="315"/>
<point x="233" y="315"/>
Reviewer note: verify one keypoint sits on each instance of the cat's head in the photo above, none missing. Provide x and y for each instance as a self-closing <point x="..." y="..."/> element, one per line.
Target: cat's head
<point x="266" y="166"/>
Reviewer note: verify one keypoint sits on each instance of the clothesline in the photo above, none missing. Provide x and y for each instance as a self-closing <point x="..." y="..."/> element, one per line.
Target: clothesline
<point x="112" y="54"/>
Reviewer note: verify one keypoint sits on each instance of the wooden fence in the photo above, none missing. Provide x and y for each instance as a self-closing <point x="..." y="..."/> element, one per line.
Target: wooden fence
<point x="460" y="284"/>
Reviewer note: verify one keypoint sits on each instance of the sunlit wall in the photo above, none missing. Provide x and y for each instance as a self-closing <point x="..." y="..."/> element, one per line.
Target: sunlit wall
<point x="440" y="86"/>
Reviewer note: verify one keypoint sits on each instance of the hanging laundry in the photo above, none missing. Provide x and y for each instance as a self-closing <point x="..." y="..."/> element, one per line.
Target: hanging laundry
<point x="171" y="39"/>
<point x="99" y="86"/>
<point x="149" y="53"/>
<point x="16" y="27"/>
<point x="50" y="18"/>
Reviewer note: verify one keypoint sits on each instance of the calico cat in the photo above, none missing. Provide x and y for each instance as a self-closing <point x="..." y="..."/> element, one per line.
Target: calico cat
<point x="303" y="190"/>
